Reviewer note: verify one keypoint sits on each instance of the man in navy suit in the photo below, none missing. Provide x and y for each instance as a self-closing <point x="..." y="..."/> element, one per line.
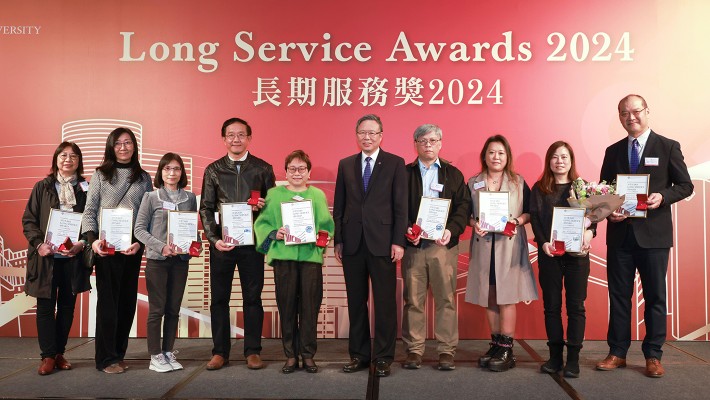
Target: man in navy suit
<point x="641" y="244"/>
<point x="370" y="212"/>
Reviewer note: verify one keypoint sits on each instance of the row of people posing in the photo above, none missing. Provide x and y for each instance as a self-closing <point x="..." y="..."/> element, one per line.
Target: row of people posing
<point x="374" y="190"/>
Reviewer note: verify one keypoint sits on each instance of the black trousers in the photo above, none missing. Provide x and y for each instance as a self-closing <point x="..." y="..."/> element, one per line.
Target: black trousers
<point x="251" y="278"/>
<point x="299" y="293"/>
<point x="652" y="265"/>
<point x="570" y="273"/>
<point x="359" y="270"/>
<point x="116" y="292"/>
<point x="53" y="330"/>
<point x="165" y="281"/>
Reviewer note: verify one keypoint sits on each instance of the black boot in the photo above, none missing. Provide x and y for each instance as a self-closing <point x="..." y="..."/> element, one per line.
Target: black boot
<point x="572" y="367"/>
<point x="483" y="361"/>
<point x="554" y="364"/>
<point x="503" y="359"/>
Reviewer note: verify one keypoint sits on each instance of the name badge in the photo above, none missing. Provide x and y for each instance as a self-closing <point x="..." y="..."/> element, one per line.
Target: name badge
<point x="651" y="162"/>
<point x="84" y="185"/>
<point x="437" y="187"/>
<point x="216" y="217"/>
<point x="298" y="198"/>
<point x="479" y="185"/>
<point x="168" y="206"/>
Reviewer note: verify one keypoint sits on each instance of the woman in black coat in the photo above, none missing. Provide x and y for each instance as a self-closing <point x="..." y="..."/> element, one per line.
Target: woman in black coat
<point x="55" y="277"/>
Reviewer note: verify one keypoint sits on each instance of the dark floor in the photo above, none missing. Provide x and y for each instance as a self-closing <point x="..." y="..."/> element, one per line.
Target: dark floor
<point x="687" y="372"/>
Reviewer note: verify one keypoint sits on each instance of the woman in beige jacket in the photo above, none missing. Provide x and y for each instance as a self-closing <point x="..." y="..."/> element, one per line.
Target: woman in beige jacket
<point x="500" y="274"/>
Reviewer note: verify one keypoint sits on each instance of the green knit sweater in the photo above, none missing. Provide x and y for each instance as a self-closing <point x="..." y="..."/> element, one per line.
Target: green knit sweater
<point x="270" y="220"/>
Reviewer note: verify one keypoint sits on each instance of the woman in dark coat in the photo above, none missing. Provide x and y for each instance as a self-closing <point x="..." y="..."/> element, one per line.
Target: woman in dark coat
<point x="55" y="277"/>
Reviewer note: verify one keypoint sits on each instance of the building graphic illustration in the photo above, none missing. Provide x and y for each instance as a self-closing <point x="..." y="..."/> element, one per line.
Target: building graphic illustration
<point x="687" y="270"/>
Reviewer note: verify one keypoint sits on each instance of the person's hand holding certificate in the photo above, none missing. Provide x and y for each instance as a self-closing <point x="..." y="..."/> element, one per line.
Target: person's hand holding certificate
<point x="568" y="228"/>
<point x="62" y="230"/>
<point x="635" y="187"/>
<point x="493" y="213"/>
<point x="116" y="228"/>
<point x="182" y="230"/>
<point x="432" y="216"/>
<point x="237" y="224"/>
<point x="298" y="222"/>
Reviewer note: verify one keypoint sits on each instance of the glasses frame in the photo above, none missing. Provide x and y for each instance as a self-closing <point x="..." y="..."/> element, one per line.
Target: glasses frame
<point x="300" y="170"/>
<point x="424" y="142"/>
<point x="363" y="134"/>
<point x="636" y="113"/>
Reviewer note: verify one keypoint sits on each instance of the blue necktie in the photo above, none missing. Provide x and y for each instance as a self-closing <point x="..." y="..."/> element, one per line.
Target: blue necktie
<point x="368" y="172"/>
<point x="634" y="161"/>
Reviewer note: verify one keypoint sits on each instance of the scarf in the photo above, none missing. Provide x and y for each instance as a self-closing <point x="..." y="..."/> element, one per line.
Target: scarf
<point x="66" y="190"/>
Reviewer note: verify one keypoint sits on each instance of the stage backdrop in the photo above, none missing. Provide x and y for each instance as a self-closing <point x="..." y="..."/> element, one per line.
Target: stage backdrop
<point x="302" y="73"/>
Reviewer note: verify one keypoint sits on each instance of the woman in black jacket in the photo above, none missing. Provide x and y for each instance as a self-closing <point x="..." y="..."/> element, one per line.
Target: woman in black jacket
<point x="55" y="277"/>
<point x="557" y="272"/>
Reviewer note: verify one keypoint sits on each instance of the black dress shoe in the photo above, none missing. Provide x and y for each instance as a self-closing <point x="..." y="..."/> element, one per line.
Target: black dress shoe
<point x="290" y="366"/>
<point x="382" y="368"/>
<point x="310" y="365"/>
<point x="355" y="365"/>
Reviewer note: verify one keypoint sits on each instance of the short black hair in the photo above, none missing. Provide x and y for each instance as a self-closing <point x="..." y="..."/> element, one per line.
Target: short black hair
<point x="298" y="154"/>
<point x="235" y="120"/>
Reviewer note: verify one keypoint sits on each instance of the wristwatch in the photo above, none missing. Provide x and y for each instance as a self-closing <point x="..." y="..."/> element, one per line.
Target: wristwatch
<point x="517" y="223"/>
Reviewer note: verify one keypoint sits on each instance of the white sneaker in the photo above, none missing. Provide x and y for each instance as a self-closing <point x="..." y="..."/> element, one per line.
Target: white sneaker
<point x="170" y="355"/>
<point x="159" y="363"/>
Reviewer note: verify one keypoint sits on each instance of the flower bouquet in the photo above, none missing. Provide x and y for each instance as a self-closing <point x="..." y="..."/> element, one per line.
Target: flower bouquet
<point x="599" y="199"/>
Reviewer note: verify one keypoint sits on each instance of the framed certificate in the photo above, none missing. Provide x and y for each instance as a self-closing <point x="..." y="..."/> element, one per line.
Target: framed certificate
<point x="432" y="216"/>
<point x="182" y="230"/>
<point x="297" y="218"/>
<point x="237" y="224"/>
<point x="568" y="227"/>
<point x="116" y="227"/>
<point x="493" y="210"/>
<point x="62" y="225"/>
<point x="632" y="185"/>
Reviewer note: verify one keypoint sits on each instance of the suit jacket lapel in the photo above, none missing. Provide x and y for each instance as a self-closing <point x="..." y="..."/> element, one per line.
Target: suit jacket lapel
<point x="650" y="142"/>
<point x="376" y="169"/>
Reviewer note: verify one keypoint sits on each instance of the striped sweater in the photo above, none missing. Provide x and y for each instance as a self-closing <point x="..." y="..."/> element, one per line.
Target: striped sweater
<point x="104" y="193"/>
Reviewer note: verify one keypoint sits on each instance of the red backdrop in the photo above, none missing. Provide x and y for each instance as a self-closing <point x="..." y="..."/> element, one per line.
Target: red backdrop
<point x="539" y="71"/>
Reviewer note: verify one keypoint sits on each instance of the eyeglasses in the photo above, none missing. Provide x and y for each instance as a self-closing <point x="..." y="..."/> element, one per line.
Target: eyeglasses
<point x="636" y="113"/>
<point x="300" y="170"/>
<point x="423" y="142"/>
<point x="168" y="170"/>
<point x="363" y="134"/>
<point x="127" y="143"/>
<point x="241" y="136"/>
<point x="72" y="157"/>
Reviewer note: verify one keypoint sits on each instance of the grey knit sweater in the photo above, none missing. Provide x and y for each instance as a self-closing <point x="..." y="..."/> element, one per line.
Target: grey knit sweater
<point x="104" y="193"/>
<point x="151" y="226"/>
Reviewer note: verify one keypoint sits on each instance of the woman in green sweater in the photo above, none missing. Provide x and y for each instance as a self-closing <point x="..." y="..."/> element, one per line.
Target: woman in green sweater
<point x="298" y="274"/>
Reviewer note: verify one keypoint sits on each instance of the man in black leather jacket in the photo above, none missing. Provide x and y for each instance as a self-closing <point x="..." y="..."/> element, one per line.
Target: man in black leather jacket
<point x="229" y="180"/>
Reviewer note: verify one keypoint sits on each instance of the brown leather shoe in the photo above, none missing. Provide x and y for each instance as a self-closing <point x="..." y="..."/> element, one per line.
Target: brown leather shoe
<point x="446" y="362"/>
<point x="217" y="362"/>
<point x="413" y="361"/>
<point x="123" y="365"/>
<point x="113" y="369"/>
<point x="254" y="362"/>
<point x="654" y="369"/>
<point x="611" y="362"/>
<point x="61" y="362"/>
<point x="47" y="366"/>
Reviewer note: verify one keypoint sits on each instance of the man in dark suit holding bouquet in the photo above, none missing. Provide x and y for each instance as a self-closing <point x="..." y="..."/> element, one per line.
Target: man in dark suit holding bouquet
<point x="641" y="244"/>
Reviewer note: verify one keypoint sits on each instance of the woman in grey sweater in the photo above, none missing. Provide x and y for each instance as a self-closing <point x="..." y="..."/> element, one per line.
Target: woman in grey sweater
<point x="166" y="269"/>
<point x="118" y="182"/>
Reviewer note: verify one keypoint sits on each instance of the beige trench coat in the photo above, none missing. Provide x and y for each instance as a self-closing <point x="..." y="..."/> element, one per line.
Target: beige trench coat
<point x="515" y="281"/>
